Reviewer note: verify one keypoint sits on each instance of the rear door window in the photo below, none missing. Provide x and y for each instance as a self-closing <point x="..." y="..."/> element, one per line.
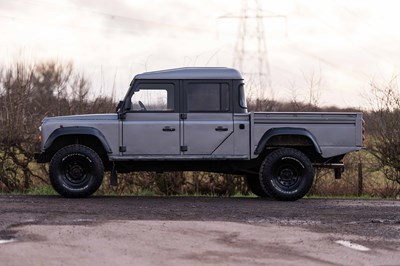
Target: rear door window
<point x="207" y="97"/>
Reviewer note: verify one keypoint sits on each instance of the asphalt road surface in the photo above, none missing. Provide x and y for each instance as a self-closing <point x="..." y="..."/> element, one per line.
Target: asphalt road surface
<point x="50" y="230"/>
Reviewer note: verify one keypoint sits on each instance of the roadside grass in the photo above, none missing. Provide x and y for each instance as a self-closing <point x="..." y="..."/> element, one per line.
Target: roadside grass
<point x="144" y="193"/>
<point x="42" y="190"/>
<point x="36" y="191"/>
<point x="48" y="190"/>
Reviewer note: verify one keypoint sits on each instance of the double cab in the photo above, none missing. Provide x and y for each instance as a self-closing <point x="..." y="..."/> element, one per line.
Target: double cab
<point x="196" y="119"/>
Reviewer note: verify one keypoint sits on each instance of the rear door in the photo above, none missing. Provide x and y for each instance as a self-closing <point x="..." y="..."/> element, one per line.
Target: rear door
<point x="208" y="118"/>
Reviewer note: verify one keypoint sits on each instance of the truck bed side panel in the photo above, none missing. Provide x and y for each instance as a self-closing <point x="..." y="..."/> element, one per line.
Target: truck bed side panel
<point x="336" y="133"/>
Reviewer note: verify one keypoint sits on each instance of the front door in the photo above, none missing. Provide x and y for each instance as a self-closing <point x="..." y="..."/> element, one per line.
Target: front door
<point x="152" y="126"/>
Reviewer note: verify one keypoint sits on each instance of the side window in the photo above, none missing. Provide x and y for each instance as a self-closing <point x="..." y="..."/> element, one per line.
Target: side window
<point x="207" y="97"/>
<point x="242" y="97"/>
<point x="153" y="98"/>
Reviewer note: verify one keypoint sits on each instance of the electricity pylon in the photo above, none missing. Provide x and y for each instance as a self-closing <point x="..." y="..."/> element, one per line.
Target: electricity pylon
<point x="251" y="55"/>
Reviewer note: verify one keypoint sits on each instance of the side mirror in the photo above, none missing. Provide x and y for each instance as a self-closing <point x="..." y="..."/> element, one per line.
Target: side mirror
<point x="123" y="108"/>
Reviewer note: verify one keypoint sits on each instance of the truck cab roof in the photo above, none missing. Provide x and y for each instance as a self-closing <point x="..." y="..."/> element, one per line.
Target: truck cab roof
<point x="192" y="73"/>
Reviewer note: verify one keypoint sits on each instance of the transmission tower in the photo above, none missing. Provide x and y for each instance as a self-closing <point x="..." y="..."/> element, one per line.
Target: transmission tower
<point x="251" y="55"/>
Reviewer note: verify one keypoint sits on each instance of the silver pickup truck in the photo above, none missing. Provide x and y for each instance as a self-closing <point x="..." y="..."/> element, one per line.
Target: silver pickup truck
<point x="196" y="119"/>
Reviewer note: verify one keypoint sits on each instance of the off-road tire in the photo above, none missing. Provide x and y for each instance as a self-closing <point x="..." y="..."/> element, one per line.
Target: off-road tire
<point x="253" y="182"/>
<point x="286" y="174"/>
<point x="76" y="171"/>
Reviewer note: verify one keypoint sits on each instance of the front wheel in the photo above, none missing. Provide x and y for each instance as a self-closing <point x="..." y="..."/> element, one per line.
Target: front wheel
<point x="286" y="174"/>
<point x="76" y="171"/>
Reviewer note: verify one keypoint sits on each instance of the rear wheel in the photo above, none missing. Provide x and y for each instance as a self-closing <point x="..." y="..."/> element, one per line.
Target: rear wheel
<point x="76" y="171"/>
<point x="254" y="184"/>
<point x="286" y="174"/>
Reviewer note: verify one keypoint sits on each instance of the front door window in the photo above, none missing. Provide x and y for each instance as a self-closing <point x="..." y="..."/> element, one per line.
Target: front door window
<point x="152" y="126"/>
<point x="154" y="98"/>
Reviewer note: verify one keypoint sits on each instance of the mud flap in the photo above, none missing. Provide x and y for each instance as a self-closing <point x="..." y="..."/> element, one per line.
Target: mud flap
<point x="338" y="172"/>
<point x="113" y="177"/>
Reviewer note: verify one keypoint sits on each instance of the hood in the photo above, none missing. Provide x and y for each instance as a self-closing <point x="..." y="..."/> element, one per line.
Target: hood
<point x="111" y="116"/>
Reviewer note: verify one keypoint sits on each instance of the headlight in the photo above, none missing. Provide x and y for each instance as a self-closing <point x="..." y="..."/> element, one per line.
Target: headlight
<point x="39" y="138"/>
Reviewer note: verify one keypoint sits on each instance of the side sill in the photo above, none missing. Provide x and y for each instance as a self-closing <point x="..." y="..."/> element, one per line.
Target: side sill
<point x="178" y="158"/>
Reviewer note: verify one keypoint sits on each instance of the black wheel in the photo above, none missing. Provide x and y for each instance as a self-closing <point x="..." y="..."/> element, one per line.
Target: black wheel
<point x="76" y="171"/>
<point x="253" y="182"/>
<point x="286" y="174"/>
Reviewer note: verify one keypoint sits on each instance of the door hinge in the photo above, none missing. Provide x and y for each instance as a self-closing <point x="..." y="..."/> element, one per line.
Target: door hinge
<point x="184" y="148"/>
<point x="122" y="148"/>
<point x="183" y="116"/>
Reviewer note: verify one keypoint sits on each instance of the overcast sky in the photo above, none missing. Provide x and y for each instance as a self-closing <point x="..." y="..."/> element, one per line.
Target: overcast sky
<point x="345" y="43"/>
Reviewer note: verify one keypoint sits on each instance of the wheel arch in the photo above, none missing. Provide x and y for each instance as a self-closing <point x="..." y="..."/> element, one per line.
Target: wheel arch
<point x="287" y="137"/>
<point x="88" y="136"/>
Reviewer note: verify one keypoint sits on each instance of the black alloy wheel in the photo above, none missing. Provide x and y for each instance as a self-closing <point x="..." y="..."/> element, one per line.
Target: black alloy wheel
<point x="76" y="171"/>
<point x="286" y="174"/>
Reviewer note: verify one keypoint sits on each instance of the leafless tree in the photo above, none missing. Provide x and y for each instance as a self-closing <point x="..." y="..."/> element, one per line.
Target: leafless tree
<point x="28" y="93"/>
<point x="384" y="127"/>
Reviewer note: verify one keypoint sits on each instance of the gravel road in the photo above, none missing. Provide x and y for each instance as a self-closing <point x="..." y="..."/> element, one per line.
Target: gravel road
<point x="50" y="230"/>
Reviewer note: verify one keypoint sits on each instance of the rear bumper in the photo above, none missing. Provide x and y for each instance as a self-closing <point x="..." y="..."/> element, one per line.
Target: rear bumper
<point x="329" y="165"/>
<point x="337" y="167"/>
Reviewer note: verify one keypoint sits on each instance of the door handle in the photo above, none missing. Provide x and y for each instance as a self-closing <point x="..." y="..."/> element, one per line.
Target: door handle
<point x="221" y="128"/>
<point x="168" y="129"/>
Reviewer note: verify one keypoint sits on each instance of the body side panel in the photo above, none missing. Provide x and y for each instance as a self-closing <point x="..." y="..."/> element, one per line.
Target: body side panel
<point x="335" y="133"/>
<point x="106" y="128"/>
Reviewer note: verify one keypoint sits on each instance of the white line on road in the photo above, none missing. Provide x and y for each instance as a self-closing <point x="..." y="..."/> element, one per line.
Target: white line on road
<point x="352" y="245"/>
<point x="6" y="241"/>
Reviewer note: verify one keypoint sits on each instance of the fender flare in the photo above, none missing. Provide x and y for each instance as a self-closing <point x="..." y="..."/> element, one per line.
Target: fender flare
<point x="89" y="131"/>
<point x="285" y="131"/>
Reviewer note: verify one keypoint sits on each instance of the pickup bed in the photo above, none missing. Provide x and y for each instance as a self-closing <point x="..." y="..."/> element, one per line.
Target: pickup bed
<point x="196" y="119"/>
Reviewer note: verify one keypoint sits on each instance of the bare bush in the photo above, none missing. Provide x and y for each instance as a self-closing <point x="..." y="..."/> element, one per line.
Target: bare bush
<point x="28" y="93"/>
<point x="384" y="128"/>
